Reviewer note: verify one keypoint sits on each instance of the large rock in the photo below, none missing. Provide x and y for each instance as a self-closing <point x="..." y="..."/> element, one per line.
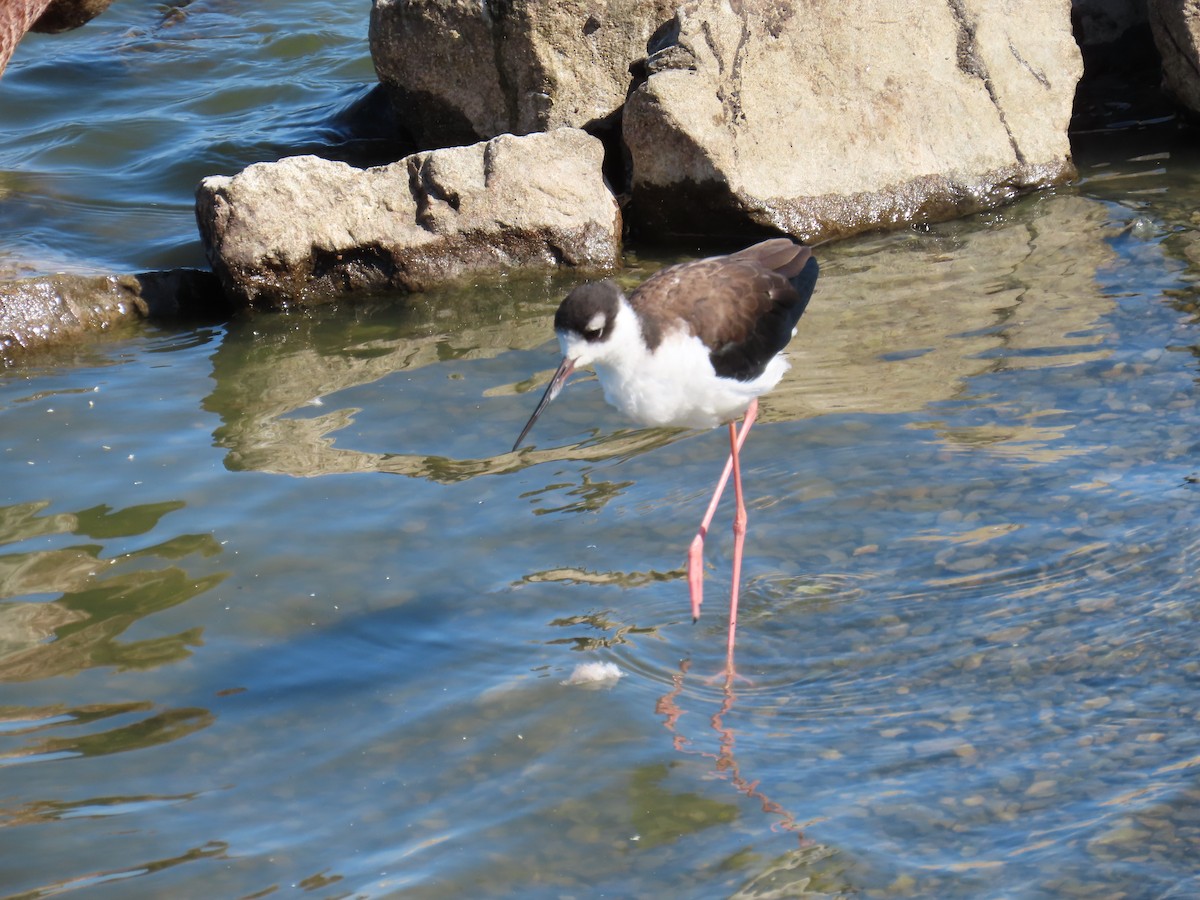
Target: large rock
<point x="305" y="229"/>
<point x="827" y="119"/>
<point x="1176" y="27"/>
<point x="460" y="72"/>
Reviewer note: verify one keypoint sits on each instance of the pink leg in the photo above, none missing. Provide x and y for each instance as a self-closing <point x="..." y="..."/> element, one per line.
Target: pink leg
<point x="739" y="520"/>
<point x="695" y="565"/>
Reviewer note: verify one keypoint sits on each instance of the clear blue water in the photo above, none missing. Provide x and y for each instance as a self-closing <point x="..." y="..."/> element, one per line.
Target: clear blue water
<point x="280" y="613"/>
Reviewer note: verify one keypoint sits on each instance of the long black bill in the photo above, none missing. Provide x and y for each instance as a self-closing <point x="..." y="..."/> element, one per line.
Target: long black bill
<point x="556" y="384"/>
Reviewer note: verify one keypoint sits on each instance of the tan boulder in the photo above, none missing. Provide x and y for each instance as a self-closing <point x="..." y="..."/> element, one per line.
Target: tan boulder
<point x="305" y="229"/>
<point x="830" y="119"/>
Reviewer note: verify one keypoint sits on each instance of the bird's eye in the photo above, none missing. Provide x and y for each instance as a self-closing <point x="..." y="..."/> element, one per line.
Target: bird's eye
<point x="591" y="334"/>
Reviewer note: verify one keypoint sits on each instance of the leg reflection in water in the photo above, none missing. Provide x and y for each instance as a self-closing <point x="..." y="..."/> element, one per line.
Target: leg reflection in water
<point x="725" y="757"/>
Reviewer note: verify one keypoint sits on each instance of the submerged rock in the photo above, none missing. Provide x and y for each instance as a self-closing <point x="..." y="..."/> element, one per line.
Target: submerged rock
<point x="39" y="312"/>
<point x="783" y="118"/>
<point x="594" y="675"/>
<point x="304" y="229"/>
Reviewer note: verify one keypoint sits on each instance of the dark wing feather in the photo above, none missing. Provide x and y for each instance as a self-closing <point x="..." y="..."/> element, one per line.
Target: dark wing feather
<point x="743" y="306"/>
<point x="781" y="255"/>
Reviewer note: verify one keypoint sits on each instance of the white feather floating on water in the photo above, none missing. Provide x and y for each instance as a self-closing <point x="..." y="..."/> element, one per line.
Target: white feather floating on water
<point x="595" y="674"/>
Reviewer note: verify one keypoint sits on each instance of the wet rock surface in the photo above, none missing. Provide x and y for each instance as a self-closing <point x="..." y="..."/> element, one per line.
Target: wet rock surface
<point x="42" y="311"/>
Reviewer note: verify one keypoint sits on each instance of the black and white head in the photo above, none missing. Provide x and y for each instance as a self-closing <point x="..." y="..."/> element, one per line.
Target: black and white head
<point x="586" y="320"/>
<point x="585" y="324"/>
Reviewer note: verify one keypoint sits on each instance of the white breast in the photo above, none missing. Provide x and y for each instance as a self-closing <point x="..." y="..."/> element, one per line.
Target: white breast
<point x="676" y="385"/>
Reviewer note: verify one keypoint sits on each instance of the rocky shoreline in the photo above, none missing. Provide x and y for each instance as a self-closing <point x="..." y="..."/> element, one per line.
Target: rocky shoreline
<point x="550" y="134"/>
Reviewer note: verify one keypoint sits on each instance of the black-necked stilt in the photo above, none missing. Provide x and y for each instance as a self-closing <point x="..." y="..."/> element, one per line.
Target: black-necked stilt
<point x="694" y="345"/>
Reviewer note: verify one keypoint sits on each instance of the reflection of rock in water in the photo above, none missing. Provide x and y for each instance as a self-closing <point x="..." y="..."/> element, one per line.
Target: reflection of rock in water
<point x="99" y="598"/>
<point x="285" y="363"/>
<point x="25" y="625"/>
<point x="151" y="730"/>
<point x="900" y="322"/>
<point x="897" y="323"/>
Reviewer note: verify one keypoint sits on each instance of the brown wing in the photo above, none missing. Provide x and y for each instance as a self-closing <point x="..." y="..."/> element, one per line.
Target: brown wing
<point x="781" y="255"/>
<point x="743" y="306"/>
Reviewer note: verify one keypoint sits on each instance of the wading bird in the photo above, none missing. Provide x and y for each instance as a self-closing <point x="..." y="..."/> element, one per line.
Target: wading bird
<point x="693" y="346"/>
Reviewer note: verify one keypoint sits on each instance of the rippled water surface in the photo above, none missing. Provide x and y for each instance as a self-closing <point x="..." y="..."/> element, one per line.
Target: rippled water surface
<point x="280" y="614"/>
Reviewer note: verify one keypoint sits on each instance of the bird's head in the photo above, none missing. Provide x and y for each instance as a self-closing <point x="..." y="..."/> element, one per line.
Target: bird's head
<point x="584" y="325"/>
<point x="585" y="320"/>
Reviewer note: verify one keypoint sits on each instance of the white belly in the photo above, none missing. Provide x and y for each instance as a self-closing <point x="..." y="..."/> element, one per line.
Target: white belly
<point x="676" y="386"/>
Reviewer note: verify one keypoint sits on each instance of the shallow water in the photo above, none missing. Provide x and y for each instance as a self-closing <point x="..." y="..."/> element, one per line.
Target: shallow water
<point x="280" y="613"/>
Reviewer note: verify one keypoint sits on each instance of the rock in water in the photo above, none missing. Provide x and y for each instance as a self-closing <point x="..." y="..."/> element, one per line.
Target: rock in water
<point x="826" y="119"/>
<point x="595" y="674"/>
<point x="305" y="229"/>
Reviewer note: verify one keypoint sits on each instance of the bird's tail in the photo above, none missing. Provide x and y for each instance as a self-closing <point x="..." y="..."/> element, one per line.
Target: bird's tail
<point x="805" y="282"/>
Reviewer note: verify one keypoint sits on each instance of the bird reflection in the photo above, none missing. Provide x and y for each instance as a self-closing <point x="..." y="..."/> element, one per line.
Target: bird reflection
<point x="725" y="758"/>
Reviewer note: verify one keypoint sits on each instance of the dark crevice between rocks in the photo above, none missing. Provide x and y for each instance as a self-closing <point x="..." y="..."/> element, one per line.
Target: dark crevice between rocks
<point x="418" y="114"/>
<point x="365" y="132"/>
<point x="655" y="218"/>
<point x="662" y="51"/>
<point x="1120" y="96"/>
<point x="617" y="167"/>
<point x="184" y="295"/>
